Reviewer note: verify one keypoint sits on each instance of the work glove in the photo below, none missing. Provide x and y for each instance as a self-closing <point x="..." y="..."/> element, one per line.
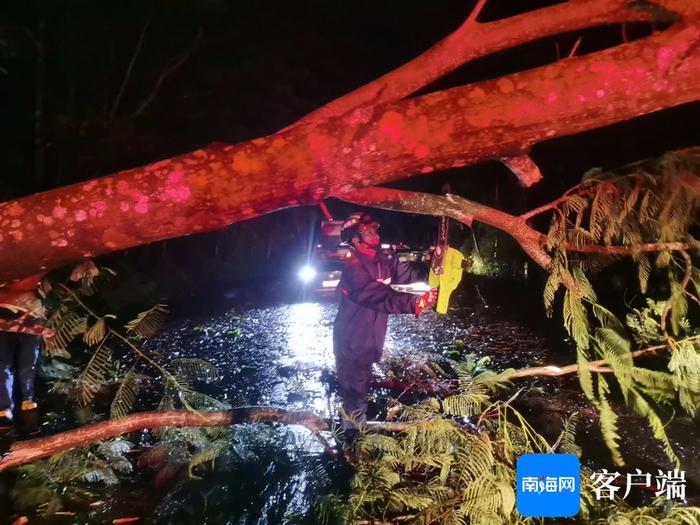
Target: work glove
<point x="426" y="300"/>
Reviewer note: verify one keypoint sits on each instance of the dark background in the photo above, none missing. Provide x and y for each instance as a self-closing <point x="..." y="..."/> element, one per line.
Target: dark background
<point x="232" y="70"/>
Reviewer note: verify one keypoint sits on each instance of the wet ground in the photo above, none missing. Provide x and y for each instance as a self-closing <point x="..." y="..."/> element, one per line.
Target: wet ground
<point x="280" y="354"/>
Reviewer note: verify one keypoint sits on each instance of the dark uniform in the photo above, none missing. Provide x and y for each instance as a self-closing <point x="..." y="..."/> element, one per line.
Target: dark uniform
<point x="19" y="354"/>
<point x="360" y="326"/>
<point x="19" y="351"/>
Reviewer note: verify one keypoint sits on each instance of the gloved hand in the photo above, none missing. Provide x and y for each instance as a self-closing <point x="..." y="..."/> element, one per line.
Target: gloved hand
<point x="426" y="300"/>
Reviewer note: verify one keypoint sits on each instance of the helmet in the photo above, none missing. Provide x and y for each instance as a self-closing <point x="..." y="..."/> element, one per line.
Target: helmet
<point x="353" y="223"/>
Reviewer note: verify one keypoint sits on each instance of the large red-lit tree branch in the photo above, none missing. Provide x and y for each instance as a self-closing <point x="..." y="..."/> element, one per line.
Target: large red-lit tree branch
<point x="473" y="40"/>
<point x="222" y="184"/>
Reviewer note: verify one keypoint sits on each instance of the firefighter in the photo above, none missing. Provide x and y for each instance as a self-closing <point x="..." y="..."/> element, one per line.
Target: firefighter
<point x="19" y="351"/>
<point x="365" y="303"/>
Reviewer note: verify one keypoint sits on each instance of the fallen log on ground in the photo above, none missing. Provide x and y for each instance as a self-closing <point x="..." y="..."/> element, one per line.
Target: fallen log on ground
<point x="24" y="452"/>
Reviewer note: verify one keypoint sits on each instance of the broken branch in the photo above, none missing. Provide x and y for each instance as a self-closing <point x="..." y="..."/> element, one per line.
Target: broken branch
<point x="27" y="451"/>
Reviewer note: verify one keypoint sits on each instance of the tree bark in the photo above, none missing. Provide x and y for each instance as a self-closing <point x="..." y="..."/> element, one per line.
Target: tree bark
<point x="222" y="184"/>
<point x="24" y="452"/>
<point x="474" y="40"/>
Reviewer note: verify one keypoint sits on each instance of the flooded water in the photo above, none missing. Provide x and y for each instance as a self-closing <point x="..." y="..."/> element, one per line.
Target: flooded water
<point x="281" y="355"/>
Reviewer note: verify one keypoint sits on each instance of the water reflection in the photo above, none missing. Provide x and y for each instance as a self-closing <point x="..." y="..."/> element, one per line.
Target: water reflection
<point x="308" y="353"/>
<point x="309" y="335"/>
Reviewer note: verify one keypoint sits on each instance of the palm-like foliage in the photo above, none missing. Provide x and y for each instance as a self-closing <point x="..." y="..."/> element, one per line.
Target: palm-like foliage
<point x="653" y="207"/>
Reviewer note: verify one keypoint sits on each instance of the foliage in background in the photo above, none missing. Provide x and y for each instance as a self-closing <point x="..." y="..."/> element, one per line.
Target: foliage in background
<point x="118" y="368"/>
<point x="453" y="462"/>
<point x="653" y="206"/>
<point x="492" y="252"/>
<point x="45" y="486"/>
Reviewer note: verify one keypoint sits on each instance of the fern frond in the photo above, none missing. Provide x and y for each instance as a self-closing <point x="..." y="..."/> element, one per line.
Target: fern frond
<point x="642" y="407"/>
<point x="553" y="283"/>
<point x="207" y="454"/>
<point x="599" y="210"/>
<point x="84" y="270"/>
<point x="661" y="387"/>
<point x="575" y="204"/>
<point x="567" y="437"/>
<point x="194" y="370"/>
<point x="149" y="322"/>
<point x="93" y="377"/>
<point x="576" y="319"/>
<point x="679" y="308"/>
<point x="608" y="422"/>
<point x="95" y="333"/>
<point x="606" y="318"/>
<point x="66" y="325"/>
<point x="584" y="284"/>
<point x="556" y="233"/>
<point x="615" y="349"/>
<point x="584" y="373"/>
<point x="125" y="397"/>
<point x="644" y="270"/>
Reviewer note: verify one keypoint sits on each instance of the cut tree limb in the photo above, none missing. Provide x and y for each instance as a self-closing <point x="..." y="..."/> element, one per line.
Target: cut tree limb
<point x="23" y="452"/>
<point x="595" y="366"/>
<point x="524" y="168"/>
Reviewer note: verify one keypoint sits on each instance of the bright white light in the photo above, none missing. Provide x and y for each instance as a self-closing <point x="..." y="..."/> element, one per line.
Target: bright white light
<point x="306" y="273"/>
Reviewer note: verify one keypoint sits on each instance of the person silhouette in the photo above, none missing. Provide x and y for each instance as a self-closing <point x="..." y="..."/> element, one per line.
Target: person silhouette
<point x="19" y="344"/>
<point x="366" y="301"/>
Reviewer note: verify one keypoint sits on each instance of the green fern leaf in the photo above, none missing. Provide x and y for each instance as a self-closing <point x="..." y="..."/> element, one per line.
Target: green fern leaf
<point x="553" y="283"/>
<point x="642" y="407"/>
<point x="584" y="373"/>
<point x="584" y="284"/>
<point x="567" y="437"/>
<point x="679" y="308"/>
<point x="576" y="319"/>
<point x="606" y="318"/>
<point x="608" y="422"/>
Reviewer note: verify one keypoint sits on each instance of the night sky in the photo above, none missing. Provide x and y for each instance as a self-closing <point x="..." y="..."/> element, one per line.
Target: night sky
<point x="231" y="70"/>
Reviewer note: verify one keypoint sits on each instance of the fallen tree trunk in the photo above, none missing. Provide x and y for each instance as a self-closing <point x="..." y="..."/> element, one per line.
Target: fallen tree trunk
<point x="24" y="452"/>
<point x="222" y="184"/>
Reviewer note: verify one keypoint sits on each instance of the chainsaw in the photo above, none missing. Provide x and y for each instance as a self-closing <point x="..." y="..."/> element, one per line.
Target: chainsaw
<point x="445" y="268"/>
<point x="445" y="271"/>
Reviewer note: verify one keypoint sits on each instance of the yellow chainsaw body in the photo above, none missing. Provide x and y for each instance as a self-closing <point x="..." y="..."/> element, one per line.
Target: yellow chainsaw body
<point x="448" y="280"/>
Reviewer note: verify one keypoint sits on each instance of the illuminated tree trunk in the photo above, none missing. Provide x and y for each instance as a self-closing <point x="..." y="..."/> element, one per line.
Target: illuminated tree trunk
<point x="364" y="146"/>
